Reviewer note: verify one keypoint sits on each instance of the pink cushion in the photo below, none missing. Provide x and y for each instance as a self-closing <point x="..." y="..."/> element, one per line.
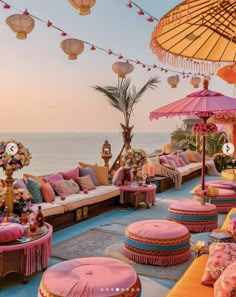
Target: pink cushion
<point x="175" y="159"/>
<point x="163" y="159"/>
<point x="10" y="232"/>
<point x="89" y="277"/>
<point x="226" y="192"/>
<point x="169" y="166"/>
<point x="53" y="177"/>
<point x="73" y="185"/>
<point x="71" y="174"/>
<point x="119" y="176"/>
<point x="62" y="188"/>
<point x="181" y="161"/>
<point x="48" y="193"/>
<point x="225" y="286"/>
<point x="221" y="254"/>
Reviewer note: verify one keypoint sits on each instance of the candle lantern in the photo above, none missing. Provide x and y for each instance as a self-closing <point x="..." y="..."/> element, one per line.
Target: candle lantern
<point x="106" y="154"/>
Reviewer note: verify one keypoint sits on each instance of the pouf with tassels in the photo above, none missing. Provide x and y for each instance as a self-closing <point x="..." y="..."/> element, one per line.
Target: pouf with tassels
<point x="157" y="242"/>
<point x="194" y="215"/>
<point x="90" y="277"/>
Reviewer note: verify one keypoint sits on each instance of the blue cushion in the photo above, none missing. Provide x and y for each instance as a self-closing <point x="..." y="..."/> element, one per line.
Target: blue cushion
<point x="34" y="189"/>
<point x="89" y="171"/>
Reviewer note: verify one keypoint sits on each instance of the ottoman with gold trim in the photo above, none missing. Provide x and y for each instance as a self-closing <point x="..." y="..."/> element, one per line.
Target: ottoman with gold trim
<point x="194" y="215"/>
<point x="90" y="277"/>
<point x="157" y="242"/>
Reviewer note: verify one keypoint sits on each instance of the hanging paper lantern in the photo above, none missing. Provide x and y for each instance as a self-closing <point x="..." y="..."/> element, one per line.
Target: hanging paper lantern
<point x="21" y="24"/>
<point x="83" y="6"/>
<point x="173" y="81"/>
<point x="228" y="73"/>
<point x="122" y="68"/>
<point x="208" y="78"/>
<point x="72" y="47"/>
<point x="195" y="81"/>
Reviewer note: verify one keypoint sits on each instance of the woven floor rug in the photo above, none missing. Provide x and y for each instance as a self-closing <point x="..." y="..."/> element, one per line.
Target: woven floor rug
<point x="105" y="243"/>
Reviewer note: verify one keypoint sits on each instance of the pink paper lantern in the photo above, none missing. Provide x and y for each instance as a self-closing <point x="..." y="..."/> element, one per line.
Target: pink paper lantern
<point x="83" y="6"/>
<point x="21" y="24"/>
<point x="72" y="47"/>
<point x="122" y="68"/>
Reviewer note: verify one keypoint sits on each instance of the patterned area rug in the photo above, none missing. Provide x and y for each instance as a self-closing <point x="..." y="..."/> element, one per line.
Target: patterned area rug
<point x="105" y="243"/>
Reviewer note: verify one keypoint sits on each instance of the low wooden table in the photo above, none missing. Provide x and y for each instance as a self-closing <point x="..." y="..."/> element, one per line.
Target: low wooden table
<point x="27" y="255"/>
<point x="148" y="191"/>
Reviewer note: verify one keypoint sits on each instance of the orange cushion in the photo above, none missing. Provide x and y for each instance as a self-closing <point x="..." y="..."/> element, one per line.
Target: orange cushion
<point x="191" y="156"/>
<point x="101" y="172"/>
<point x="189" y="284"/>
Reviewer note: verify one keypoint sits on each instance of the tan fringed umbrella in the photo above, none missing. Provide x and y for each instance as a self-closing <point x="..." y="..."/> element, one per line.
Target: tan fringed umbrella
<point x="196" y="30"/>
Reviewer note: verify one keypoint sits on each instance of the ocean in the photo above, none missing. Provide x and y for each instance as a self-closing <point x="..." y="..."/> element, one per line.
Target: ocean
<point x="53" y="152"/>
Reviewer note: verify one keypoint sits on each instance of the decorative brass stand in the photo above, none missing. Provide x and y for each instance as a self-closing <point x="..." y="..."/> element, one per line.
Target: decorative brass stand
<point x="9" y="195"/>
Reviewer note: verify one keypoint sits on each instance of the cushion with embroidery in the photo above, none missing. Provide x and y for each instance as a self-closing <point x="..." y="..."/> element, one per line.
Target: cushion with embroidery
<point x="73" y="185"/>
<point x="61" y="188"/>
<point x="53" y="177"/>
<point x="175" y="159"/>
<point x="221" y="254"/>
<point x="101" y="172"/>
<point x="225" y="286"/>
<point x="85" y="182"/>
<point x="34" y="189"/>
<point x="89" y="171"/>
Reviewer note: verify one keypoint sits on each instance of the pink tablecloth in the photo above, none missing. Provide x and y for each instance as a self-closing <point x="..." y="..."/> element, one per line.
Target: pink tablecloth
<point x="90" y="277"/>
<point x="150" y="191"/>
<point x="36" y="252"/>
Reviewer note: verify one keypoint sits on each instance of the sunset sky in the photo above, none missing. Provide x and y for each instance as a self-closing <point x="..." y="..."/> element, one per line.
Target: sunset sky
<point x="41" y="90"/>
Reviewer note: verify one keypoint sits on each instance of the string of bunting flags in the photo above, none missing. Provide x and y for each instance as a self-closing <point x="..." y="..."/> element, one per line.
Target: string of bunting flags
<point x="26" y="19"/>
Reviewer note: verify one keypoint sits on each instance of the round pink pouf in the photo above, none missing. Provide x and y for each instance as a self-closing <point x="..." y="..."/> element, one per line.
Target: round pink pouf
<point x="10" y="232"/>
<point x="157" y="242"/>
<point x="195" y="216"/>
<point x="90" y="277"/>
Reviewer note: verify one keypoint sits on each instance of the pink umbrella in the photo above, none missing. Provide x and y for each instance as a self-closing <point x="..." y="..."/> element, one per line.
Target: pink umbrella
<point x="204" y="104"/>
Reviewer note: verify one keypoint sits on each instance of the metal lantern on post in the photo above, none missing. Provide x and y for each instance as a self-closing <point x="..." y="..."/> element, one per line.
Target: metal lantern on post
<point x="122" y="68"/>
<point x="195" y="81"/>
<point x="173" y="81"/>
<point x="72" y="47"/>
<point x="106" y="154"/>
<point x="21" y="24"/>
<point x="83" y="6"/>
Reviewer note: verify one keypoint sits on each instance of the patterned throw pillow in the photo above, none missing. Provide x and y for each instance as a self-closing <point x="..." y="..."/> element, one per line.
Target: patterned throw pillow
<point x="48" y="193"/>
<point x="89" y="171"/>
<point x="172" y="163"/>
<point x="191" y="156"/>
<point x="221" y="254"/>
<point x="169" y="166"/>
<point x="101" y="172"/>
<point x="181" y="161"/>
<point x="73" y="185"/>
<point x="85" y="183"/>
<point x="34" y="189"/>
<point x="119" y="176"/>
<point x="163" y="160"/>
<point x="38" y="179"/>
<point x="225" y="286"/>
<point x="61" y="188"/>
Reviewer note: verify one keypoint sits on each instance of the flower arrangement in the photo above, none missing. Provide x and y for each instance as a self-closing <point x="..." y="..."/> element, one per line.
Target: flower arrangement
<point x="20" y="195"/>
<point x="16" y="161"/>
<point x="134" y="157"/>
<point x="204" y="129"/>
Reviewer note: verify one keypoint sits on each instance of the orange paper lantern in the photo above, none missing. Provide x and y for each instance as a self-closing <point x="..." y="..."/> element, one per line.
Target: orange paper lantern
<point x="83" y="6"/>
<point x="228" y="73"/>
<point x="173" y="81"/>
<point x="122" y="68"/>
<point x="21" y="24"/>
<point x="195" y="81"/>
<point x="72" y="47"/>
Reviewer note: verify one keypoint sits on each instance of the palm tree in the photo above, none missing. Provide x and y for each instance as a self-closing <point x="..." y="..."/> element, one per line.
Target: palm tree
<point x="124" y="97"/>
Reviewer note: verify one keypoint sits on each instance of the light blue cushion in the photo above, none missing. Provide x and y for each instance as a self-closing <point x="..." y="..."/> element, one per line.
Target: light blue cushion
<point x="34" y="189"/>
<point x="89" y="171"/>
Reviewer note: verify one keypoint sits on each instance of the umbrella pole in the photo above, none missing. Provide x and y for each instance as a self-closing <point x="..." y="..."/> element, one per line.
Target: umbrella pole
<point x="203" y="161"/>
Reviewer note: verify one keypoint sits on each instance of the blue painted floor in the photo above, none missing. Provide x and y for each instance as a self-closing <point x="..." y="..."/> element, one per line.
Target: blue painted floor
<point x="11" y="285"/>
